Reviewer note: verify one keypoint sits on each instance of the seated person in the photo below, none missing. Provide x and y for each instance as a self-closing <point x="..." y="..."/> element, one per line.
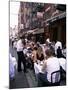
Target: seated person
<point x="50" y="65"/>
<point x="59" y="53"/>
<point x="39" y="54"/>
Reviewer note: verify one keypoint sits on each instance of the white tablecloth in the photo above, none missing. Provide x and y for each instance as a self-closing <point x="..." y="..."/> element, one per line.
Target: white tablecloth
<point x="38" y="67"/>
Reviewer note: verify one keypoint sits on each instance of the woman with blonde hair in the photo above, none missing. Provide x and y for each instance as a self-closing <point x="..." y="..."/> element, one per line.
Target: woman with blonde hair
<point x="40" y="55"/>
<point x="34" y="52"/>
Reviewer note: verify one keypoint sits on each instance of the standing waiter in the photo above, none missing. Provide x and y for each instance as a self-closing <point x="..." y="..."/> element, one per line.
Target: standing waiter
<point x="21" y="57"/>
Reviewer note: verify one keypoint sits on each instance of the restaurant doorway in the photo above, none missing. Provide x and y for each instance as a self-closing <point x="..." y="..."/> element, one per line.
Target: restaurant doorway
<point x="53" y="33"/>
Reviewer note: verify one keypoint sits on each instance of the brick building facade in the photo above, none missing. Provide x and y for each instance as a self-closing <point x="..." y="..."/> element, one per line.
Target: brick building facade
<point x="43" y="16"/>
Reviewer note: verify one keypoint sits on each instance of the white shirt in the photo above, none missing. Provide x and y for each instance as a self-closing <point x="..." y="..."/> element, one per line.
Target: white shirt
<point x="62" y="62"/>
<point x="58" y="44"/>
<point x="48" y="40"/>
<point x="19" y="45"/>
<point x="52" y="65"/>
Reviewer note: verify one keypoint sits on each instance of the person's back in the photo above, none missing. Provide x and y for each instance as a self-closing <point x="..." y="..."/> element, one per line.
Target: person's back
<point x="59" y="52"/>
<point x="19" y="45"/>
<point x="52" y="65"/>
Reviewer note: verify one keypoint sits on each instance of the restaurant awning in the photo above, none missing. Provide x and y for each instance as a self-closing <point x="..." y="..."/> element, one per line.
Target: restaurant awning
<point x="52" y="19"/>
<point x="32" y="31"/>
<point x="38" y="31"/>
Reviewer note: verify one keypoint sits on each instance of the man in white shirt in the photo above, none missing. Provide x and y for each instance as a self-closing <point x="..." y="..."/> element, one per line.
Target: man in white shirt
<point x="50" y="65"/>
<point x="21" y="57"/>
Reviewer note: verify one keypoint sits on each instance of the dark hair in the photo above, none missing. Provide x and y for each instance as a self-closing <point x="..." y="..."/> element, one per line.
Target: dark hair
<point x="35" y="48"/>
<point x="32" y="44"/>
<point x="58" y="47"/>
<point x="38" y="45"/>
<point x="20" y="37"/>
<point x="23" y="41"/>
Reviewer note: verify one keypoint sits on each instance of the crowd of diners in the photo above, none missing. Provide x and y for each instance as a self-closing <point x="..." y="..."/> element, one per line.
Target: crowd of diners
<point x="31" y="53"/>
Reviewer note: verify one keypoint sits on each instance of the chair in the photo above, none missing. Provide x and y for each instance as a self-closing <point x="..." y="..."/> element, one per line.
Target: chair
<point x="55" y="79"/>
